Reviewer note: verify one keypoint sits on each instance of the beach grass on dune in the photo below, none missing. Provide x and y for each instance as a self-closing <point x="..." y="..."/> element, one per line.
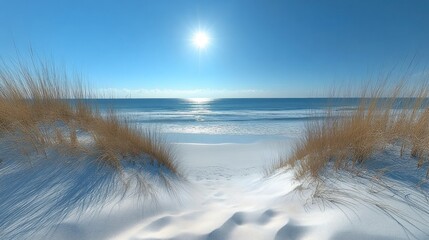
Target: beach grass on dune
<point x="42" y="108"/>
<point x="386" y="115"/>
<point x="61" y="154"/>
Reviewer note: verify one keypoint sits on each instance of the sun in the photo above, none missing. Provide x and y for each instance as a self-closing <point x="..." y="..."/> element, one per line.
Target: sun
<point x="200" y="40"/>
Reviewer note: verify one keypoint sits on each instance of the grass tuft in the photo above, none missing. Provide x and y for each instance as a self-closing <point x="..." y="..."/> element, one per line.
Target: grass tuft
<point x="40" y="108"/>
<point x="61" y="154"/>
<point x="344" y="139"/>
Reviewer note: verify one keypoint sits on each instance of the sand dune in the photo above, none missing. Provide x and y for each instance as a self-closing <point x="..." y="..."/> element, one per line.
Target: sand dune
<point x="237" y="202"/>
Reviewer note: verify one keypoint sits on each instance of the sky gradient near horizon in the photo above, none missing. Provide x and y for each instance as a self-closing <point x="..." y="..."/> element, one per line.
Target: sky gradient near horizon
<point x="257" y="48"/>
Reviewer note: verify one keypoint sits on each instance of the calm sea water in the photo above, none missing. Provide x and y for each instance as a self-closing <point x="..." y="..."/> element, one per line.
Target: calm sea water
<point x="224" y="120"/>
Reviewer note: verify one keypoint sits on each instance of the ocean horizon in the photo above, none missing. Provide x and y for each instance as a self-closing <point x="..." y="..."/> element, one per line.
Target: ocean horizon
<point x="224" y="120"/>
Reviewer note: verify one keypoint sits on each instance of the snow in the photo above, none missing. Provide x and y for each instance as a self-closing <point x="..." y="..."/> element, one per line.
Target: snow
<point x="226" y="196"/>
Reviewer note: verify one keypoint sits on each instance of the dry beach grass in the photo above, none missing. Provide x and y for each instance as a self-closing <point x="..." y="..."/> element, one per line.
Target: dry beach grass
<point x="43" y="108"/>
<point x="397" y="115"/>
<point x="60" y="154"/>
<point x="373" y="157"/>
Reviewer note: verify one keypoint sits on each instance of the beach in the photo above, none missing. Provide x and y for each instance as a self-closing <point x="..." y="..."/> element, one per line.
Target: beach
<point x="214" y="120"/>
<point x="228" y="195"/>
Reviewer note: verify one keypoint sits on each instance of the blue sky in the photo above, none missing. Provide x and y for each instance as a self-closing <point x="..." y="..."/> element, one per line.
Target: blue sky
<point x="267" y="48"/>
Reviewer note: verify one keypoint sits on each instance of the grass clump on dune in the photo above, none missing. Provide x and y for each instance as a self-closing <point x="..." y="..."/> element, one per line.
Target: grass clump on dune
<point x="343" y="139"/>
<point x="40" y="108"/>
<point x="60" y="153"/>
<point x="374" y="156"/>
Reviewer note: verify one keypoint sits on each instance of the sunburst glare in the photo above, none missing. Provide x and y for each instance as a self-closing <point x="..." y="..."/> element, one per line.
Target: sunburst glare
<point x="200" y="39"/>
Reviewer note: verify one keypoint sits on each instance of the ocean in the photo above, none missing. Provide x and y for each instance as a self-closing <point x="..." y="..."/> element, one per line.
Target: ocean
<point x="225" y="120"/>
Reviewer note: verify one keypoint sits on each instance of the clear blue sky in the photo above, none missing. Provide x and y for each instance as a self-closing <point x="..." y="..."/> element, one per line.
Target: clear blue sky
<point x="257" y="48"/>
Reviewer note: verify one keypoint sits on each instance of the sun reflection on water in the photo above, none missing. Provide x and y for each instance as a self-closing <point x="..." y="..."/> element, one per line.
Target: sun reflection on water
<point x="199" y="100"/>
<point x="200" y="108"/>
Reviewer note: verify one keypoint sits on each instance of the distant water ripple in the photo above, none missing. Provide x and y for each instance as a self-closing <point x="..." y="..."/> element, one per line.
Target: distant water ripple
<point x="226" y="116"/>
